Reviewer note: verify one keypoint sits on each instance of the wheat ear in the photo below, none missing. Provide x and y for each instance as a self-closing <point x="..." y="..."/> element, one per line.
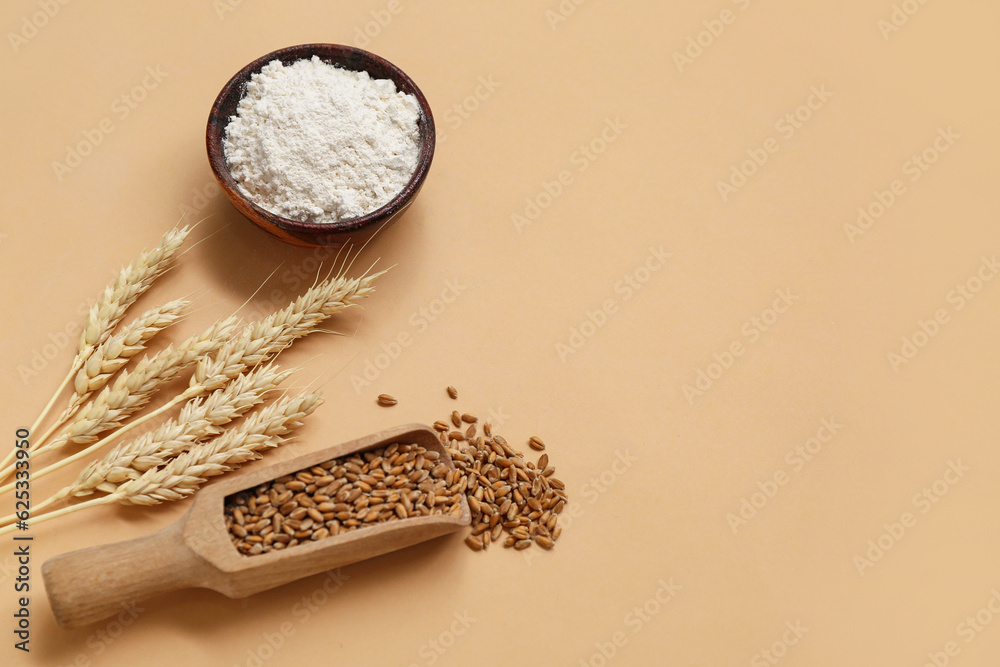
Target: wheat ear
<point x="104" y="315"/>
<point x="185" y="474"/>
<point x="258" y="342"/>
<point x="130" y="392"/>
<point x="115" y="352"/>
<point x="262" y="340"/>
<point x="200" y="418"/>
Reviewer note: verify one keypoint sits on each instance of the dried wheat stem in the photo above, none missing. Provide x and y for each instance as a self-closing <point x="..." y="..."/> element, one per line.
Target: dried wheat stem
<point x="103" y="500"/>
<point x="262" y="340"/>
<point x="87" y="451"/>
<point x="130" y="392"/>
<point x="258" y="342"/>
<point x="131" y="282"/>
<point x="12" y="518"/>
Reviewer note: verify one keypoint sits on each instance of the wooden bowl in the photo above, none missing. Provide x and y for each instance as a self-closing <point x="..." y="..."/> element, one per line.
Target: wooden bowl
<point x="341" y="233"/>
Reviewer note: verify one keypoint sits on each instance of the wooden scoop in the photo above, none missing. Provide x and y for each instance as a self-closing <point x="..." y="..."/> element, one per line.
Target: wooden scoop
<point x="196" y="552"/>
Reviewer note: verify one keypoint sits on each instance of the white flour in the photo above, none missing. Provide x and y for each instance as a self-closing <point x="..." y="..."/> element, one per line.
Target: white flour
<point x="316" y="143"/>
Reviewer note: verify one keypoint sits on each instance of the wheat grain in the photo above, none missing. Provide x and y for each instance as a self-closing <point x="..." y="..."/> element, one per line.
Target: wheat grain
<point x="380" y="485"/>
<point x="505" y="491"/>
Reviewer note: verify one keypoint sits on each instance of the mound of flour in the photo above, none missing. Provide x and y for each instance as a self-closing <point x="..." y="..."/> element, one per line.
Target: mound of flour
<point x="316" y="143"/>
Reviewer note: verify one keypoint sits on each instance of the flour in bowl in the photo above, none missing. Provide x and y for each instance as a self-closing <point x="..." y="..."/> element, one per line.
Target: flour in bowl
<point x="317" y="143"/>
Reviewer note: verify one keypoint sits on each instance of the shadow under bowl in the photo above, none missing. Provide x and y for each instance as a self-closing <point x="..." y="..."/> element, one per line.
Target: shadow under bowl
<point x="355" y="230"/>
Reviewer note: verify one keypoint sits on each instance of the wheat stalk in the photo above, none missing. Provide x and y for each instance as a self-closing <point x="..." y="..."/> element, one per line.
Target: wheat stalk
<point x="262" y="340"/>
<point x="200" y="418"/>
<point x="115" y="352"/>
<point x="131" y="391"/>
<point x="131" y="282"/>
<point x="185" y="474"/>
<point x="258" y="342"/>
<point x="104" y="315"/>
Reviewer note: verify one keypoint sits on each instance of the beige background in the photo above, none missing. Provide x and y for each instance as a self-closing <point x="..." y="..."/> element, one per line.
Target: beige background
<point x="619" y="397"/>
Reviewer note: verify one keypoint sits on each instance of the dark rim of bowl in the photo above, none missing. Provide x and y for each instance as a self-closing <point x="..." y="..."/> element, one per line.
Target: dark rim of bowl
<point x="335" y="54"/>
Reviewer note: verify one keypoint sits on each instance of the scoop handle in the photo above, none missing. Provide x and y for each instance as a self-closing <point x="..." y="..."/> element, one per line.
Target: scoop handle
<point x="91" y="584"/>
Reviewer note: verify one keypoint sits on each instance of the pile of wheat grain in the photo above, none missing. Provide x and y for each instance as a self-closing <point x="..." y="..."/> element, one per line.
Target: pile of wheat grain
<point x="390" y="483"/>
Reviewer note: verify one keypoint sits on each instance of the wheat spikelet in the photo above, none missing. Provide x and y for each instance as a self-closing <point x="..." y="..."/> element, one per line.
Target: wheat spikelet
<point x="115" y="352"/>
<point x="131" y="282"/>
<point x="263" y="339"/>
<point x="200" y="418"/>
<point x="185" y="474"/>
<point x="133" y="390"/>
